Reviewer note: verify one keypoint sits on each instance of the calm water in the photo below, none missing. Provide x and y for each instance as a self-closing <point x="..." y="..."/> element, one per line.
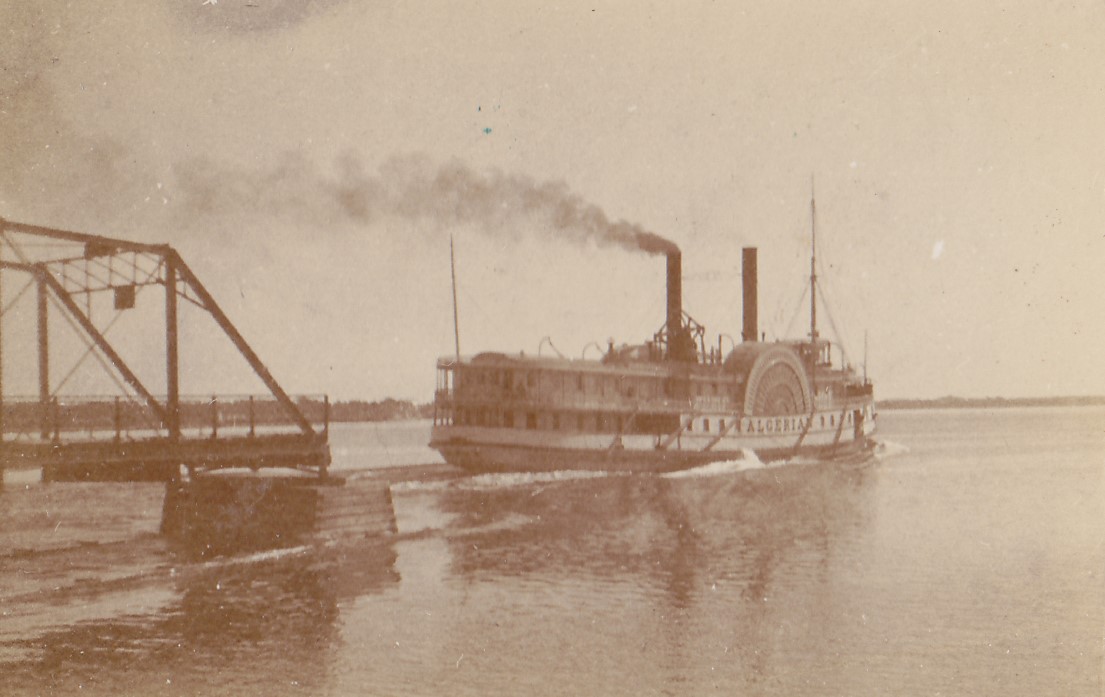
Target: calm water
<point x="970" y="559"/>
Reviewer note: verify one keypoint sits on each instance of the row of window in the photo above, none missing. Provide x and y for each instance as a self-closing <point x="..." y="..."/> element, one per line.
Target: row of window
<point x="603" y="422"/>
<point x="584" y="422"/>
<point x="522" y="383"/>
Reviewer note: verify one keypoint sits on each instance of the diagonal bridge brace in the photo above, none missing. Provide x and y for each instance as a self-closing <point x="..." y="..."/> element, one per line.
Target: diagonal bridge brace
<point x="174" y="261"/>
<point x="40" y="272"/>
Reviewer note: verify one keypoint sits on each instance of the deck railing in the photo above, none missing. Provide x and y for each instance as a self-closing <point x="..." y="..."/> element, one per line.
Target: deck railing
<point x="104" y="417"/>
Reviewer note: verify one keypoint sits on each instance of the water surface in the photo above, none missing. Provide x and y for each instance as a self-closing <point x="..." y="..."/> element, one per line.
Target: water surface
<point x="968" y="559"/>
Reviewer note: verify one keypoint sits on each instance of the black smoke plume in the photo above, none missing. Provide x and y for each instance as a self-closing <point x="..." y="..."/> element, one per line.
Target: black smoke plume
<point x="407" y="188"/>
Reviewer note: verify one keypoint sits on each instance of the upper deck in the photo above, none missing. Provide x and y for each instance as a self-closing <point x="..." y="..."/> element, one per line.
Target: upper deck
<point x="623" y="384"/>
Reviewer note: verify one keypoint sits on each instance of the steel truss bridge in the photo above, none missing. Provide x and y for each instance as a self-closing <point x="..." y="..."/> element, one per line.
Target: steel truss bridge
<point x="135" y="434"/>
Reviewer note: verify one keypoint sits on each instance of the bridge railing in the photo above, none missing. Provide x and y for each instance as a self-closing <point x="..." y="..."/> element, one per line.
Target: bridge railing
<point x="105" y="418"/>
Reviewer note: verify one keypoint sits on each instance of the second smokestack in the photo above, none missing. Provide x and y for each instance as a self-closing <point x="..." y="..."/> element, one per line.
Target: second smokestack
<point x="749" y="302"/>
<point x="675" y="293"/>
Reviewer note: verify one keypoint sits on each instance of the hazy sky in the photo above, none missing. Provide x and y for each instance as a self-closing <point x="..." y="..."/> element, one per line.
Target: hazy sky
<point x="310" y="164"/>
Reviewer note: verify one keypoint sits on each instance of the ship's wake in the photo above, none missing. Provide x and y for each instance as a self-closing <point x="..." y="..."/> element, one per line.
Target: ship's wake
<point x="498" y="480"/>
<point x="886" y="448"/>
<point x="747" y="461"/>
<point x="507" y="480"/>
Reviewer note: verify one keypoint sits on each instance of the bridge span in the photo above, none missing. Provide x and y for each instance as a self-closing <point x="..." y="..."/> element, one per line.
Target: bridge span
<point x="134" y="434"/>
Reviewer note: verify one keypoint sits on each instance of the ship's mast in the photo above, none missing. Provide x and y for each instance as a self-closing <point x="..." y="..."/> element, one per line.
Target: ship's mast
<point x="813" y="298"/>
<point x="813" y="266"/>
<point x="456" y="323"/>
<point x="864" y="356"/>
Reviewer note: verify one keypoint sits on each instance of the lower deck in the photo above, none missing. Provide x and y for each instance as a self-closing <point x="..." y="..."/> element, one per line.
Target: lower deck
<point x="696" y="440"/>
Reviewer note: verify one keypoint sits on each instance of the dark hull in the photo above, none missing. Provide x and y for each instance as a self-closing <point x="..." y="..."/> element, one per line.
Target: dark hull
<point x="484" y="458"/>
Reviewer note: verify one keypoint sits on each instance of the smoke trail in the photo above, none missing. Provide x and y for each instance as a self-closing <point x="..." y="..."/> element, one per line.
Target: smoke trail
<point x="409" y="188"/>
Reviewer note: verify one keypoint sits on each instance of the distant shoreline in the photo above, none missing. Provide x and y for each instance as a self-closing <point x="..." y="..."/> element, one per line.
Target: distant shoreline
<point x="391" y="410"/>
<point x="360" y="411"/>
<point x="25" y="417"/>
<point x="990" y="402"/>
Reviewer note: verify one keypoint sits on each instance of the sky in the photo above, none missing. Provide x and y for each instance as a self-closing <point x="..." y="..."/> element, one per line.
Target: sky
<point x="310" y="161"/>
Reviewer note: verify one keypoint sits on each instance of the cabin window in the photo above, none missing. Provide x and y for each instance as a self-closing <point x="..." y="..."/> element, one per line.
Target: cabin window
<point x="579" y="382"/>
<point x="721" y="426"/>
<point x="822" y="421"/>
<point x="531" y="420"/>
<point x="690" y="425"/>
<point x="832" y="420"/>
<point x="508" y="419"/>
<point x="705" y="425"/>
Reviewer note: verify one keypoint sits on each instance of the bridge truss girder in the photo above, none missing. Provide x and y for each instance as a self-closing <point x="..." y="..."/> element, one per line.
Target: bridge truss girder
<point x="122" y="267"/>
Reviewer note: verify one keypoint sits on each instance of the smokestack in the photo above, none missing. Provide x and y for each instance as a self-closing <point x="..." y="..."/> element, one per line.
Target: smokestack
<point x="749" y="303"/>
<point x="675" y="296"/>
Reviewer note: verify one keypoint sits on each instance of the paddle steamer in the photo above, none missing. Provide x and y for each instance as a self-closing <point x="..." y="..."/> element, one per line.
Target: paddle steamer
<point x="669" y="403"/>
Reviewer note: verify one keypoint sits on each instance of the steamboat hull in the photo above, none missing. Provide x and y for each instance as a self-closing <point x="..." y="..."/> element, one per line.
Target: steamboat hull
<point x="487" y="450"/>
<point x="484" y="458"/>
